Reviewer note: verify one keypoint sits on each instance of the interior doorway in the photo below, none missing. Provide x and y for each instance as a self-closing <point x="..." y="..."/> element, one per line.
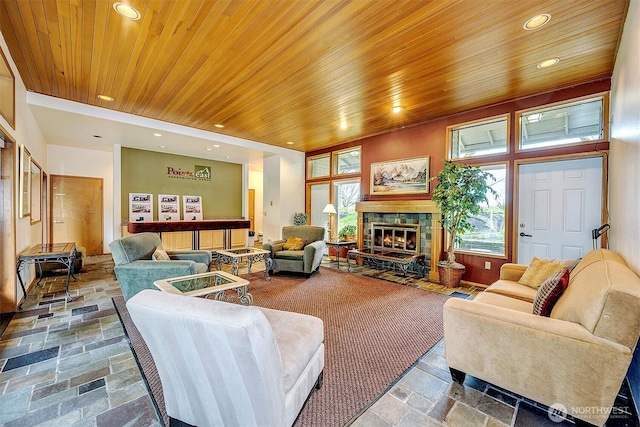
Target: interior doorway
<point x="77" y="212"/>
<point x="559" y="203"/>
<point x="8" y="290"/>
<point x="251" y="207"/>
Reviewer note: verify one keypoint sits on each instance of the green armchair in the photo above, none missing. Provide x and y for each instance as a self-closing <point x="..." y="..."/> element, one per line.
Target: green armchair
<point x="137" y="270"/>
<point x="308" y="259"/>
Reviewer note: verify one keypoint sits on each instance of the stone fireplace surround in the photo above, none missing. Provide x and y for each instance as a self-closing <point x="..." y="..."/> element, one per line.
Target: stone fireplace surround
<point x="421" y="212"/>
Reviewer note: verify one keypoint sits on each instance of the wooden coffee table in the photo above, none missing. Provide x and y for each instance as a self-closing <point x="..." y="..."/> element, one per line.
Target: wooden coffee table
<point x="212" y="283"/>
<point x="398" y="261"/>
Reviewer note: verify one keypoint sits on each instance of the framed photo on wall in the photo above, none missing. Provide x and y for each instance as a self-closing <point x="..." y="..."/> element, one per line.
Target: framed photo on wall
<point x="405" y="176"/>
<point x="25" y="182"/>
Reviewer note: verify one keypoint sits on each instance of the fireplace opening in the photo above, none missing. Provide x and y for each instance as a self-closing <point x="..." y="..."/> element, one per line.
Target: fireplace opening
<point x="397" y="237"/>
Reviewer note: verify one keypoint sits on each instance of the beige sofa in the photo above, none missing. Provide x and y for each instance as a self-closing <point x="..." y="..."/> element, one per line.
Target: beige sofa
<point x="575" y="359"/>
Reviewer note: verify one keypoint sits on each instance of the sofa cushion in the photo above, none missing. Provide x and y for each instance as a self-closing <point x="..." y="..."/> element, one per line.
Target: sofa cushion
<point x="567" y="263"/>
<point x="539" y="271"/>
<point x="294" y="244"/>
<point x="503" y="301"/>
<point x="298" y="337"/>
<point x="160" y="255"/>
<point x="549" y="293"/>
<point x="295" y="255"/>
<point x="512" y="289"/>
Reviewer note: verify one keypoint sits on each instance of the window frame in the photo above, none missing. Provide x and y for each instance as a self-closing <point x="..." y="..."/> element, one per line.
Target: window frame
<point x="450" y="129"/>
<point x="334" y="161"/>
<point x="310" y="169"/>
<point x="605" y="122"/>
<point x="507" y="216"/>
<point x="334" y="195"/>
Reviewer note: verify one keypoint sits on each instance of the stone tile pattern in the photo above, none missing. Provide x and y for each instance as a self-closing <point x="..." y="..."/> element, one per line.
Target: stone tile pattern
<point x="71" y="364"/>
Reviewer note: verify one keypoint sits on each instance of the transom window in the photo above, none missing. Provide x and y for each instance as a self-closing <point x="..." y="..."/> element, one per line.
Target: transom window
<point x="346" y="161"/>
<point x="318" y="166"/>
<point x="575" y="122"/>
<point x="480" y="138"/>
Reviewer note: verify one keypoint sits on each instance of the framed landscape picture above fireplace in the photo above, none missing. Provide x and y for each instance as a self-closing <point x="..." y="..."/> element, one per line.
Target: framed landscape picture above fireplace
<point x="406" y="176"/>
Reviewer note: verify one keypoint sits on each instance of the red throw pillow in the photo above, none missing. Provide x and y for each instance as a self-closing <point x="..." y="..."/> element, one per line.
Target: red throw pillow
<point x="549" y="293"/>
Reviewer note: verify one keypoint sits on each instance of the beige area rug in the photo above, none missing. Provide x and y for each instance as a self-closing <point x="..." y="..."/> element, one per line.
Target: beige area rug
<point x="374" y="331"/>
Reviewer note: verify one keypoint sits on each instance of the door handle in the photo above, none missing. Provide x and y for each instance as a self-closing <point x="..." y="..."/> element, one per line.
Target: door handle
<point x="525" y="235"/>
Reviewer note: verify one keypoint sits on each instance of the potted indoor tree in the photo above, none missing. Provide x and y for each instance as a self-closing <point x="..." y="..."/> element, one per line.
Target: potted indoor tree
<point x="459" y="194"/>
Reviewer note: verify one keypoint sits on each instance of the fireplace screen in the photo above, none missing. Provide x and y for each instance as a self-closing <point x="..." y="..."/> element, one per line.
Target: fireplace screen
<point x="396" y="237"/>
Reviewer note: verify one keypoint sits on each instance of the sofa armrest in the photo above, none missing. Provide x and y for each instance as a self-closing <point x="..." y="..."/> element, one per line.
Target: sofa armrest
<point x="544" y="359"/>
<point x="313" y="253"/>
<point x="138" y="275"/>
<point x="511" y="271"/>
<point x="274" y="246"/>
<point x="201" y="256"/>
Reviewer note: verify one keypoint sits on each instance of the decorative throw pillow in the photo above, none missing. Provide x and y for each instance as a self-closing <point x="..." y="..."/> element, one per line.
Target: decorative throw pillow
<point x="539" y="271"/>
<point x="568" y="263"/>
<point x="294" y="244"/>
<point x="160" y="255"/>
<point x="549" y="293"/>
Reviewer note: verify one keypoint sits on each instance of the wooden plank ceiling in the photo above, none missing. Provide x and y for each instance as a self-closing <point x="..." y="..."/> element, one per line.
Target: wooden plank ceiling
<point x="315" y="73"/>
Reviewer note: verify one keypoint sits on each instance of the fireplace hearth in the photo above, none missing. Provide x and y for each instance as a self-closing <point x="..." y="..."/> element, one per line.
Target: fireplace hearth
<point x="406" y="226"/>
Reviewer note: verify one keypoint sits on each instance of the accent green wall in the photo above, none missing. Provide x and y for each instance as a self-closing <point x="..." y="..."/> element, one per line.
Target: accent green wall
<point x="160" y="173"/>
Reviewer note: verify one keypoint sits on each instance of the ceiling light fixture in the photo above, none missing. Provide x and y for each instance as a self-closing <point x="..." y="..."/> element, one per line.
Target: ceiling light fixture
<point x="209" y="149"/>
<point x="162" y="146"/>
<point x="216" y="146"/>
<point x="219" y="126"/>
<point x="290" y="142"/>
<point x="106" y="98"/>
<point x="157" y="134"/>
<point x="548" y="62"/>
<point x="537" y="21"/>
<point x="397" y="109"/>
<point x="126" y="11"/>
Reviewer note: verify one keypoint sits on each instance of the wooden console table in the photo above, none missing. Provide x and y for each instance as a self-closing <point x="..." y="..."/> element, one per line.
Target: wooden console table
<point x="63" y="253"/>
<point x="226" y="225"/>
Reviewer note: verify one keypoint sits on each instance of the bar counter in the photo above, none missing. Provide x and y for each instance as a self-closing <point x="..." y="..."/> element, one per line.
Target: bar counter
<point x="226" y="225"/>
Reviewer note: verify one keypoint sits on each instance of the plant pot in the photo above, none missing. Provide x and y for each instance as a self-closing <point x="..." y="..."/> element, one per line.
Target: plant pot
<point x="450" y="276"/>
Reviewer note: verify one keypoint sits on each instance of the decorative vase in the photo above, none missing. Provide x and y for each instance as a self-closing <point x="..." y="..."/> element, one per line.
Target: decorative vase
<point x="450" y="276"/>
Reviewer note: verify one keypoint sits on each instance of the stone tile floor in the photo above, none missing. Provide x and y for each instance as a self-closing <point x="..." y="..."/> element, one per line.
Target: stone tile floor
<point x="70" y="364"/>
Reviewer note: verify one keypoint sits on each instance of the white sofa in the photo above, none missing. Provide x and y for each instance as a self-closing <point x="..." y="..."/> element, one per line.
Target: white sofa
<point x="576" y="358"/>
<point x="224" y="364"/>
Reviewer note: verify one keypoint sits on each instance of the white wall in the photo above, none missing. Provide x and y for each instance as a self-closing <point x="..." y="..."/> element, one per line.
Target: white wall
<point x="87" y="163"/>
<point x="284" y="189"/>
<point x="256" y="183"/>
<point x="624" y="170"/>
<point x="28" y="133"/>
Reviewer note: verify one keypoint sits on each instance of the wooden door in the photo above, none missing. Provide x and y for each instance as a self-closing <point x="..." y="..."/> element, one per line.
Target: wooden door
<point x="559" y="204"/>
<point x="251" y="204"/>
<point x="76" y="212"/>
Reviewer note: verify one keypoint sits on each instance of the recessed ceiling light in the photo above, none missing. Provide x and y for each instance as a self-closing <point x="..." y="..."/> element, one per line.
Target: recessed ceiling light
<point x="548" y="62"/>
<point x="537" y="21"/>
<point x="397" y="109"/>
<point x="126" y="11"/>
<point x="227" y="157"/>
<point x="157" y="134"/>
<point x="209" y="149"/>
<point x="162" y="146"/>
<point x="216" y="146"/>
<point x="106" y="98"/>
<point x="290" y="142"/>
<point x="219" y="126"/>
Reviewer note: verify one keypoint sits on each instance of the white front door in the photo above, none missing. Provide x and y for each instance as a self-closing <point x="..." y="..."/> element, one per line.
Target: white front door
<point x="559" y="204"/>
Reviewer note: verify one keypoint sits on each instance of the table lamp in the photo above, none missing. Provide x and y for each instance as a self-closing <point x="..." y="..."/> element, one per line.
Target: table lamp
<point x="330" y="209"/>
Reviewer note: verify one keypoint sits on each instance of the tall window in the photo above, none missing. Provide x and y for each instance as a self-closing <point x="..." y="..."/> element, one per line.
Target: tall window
<point x="345" y="195"/>
<point x="489" y="234"/>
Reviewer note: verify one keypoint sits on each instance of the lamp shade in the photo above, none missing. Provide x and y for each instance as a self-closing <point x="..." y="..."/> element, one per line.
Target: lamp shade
<point x="330" y="209"/>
